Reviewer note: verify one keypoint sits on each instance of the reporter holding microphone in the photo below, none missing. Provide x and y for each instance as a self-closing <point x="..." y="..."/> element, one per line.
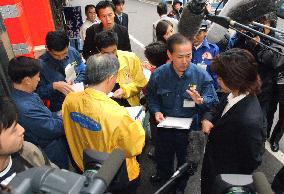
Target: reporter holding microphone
<point x="236" y="126"/>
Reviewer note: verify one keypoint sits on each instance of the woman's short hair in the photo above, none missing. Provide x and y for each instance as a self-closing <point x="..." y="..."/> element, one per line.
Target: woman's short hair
<point x="161" y="29"/>
<point x="156" y="53"/>
<point x="100" y="67"/>
<point x="21" y="67"/>
<point x="238" y="70"/>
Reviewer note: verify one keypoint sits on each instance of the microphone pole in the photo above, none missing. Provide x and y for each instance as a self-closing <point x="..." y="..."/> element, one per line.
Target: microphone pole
<point x="269" y="27"/>
<point x="228" y="23"/>
<point x="181" y="170"/>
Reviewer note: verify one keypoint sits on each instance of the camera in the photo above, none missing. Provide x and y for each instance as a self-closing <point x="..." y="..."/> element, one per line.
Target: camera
<point x="104" y="172"/>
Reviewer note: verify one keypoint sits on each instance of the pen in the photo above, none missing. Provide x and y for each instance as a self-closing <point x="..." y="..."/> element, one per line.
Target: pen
<point x="139" y="113"/>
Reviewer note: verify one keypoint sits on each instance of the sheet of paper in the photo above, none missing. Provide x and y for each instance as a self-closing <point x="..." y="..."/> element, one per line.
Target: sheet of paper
<point x="110" y="94"/>
<point x="136" y="113"/>
<point x="78" y="87"/>
<point x="147" y="73"/>
<point x="70" y="73"/>
<point x="175" y="122"/>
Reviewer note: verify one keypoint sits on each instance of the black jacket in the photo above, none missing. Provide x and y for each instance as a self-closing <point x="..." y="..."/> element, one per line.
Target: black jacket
<point x="236" y="142"/>
<point x="124" y="20"/>
<point x="89" y="43"/>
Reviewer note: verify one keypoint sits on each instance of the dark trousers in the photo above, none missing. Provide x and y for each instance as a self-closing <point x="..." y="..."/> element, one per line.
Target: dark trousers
<point x="131" y="187"/>
<point x="272" y="109"/>
<point x="171" y="143"/>
<point x="153" y="127"/>
<point x="277" y="184"/>
<point x="279" y="128"/>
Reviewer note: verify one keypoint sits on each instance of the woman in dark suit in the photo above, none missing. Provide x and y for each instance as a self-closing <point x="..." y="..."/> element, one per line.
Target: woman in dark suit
<point x="236" y="126"/>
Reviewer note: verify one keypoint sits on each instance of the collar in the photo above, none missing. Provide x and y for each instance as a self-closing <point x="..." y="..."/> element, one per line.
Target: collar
<point x="186" y="73"/>
<point x="6" y="170"/>
<point x="205" y="43"/>
<point x="163" y="16"/>
<point x="47" y="57"/>
<point x="88" y="21"/>
<point x="21" y="92"/>
<point x="121" y="57"/>
<point x="99" y="95"/>
<point x="119" y="15"/>
<point x="234" y="100"/>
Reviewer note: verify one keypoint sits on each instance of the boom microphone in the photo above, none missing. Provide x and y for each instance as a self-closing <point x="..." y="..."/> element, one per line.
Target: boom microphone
<point x="51" y="180"/>
<point x="261" y="184"/>
<point x="108" y="171"/>
<point x="191" y="18"/>
<point x="242" y="11"/>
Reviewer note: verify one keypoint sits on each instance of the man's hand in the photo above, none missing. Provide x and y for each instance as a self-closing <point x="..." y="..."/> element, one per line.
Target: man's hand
<point x="159" y="117"/>
<point x="206" y="126"/>
<point x="118" y="93"/>
<point x="62" y="87"/>
<point x="195" y="96"/>
<point x="147" y="65"/>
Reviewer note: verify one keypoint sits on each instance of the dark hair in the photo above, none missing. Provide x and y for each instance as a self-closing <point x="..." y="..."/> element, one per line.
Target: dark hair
<point x="161" y="29"/>
<point x="21" y="67"/>
<point x="162" y="8"/>
<point x="56" y="40"/>
<point x="105" y="39"/>
<point x="271" y="17"/>
<point x="238" y="70"/>
<point x="176" y="39"/>
<point x="176" y="2"/>
<point x="104" y="4"/>
<point x="117" y="2"/>
<point x="90" y="6"/>
<point x="156" y="53"/>
<point x="8" y="113"/>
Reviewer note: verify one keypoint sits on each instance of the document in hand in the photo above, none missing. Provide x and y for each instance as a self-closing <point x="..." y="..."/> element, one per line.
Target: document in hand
<point x="136" y="112"/>
<point x="78" y="87"/>
<point x="175" y="122"/>
<point x="70" y="73"/>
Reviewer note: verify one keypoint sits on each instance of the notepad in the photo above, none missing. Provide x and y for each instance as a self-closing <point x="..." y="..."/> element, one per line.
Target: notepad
<point x="175" y="122"/>
<point x="136" y="112"/>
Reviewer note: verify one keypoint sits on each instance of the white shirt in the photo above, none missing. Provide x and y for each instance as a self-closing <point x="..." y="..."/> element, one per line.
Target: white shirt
<point x="5" y="171"/>
<point x="84" y="28"/>
<point x="232" y="101"/>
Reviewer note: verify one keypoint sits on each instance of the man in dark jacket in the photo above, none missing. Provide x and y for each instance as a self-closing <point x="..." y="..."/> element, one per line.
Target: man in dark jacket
<point x="62" y="66"/>
<point x="43" y="127"/>
<point x="120" y="18"/>
<point x="105" y="11"/>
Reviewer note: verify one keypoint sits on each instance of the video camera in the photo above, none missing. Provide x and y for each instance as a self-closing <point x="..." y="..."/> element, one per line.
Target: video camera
<point x="104" y="172"/>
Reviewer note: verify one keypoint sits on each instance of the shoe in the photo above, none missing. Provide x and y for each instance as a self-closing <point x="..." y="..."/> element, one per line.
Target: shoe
<point x="154" y="179"/>
<point x="274" y="146"/>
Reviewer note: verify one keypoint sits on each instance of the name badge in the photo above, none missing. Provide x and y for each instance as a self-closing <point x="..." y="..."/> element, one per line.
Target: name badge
<point x="188" y="104"/>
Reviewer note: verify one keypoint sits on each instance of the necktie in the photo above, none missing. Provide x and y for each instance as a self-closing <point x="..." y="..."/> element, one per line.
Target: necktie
<point x="120" y="18"/>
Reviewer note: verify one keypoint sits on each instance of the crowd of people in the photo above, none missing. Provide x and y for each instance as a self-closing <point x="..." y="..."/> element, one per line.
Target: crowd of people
<point x="230" y="96"/>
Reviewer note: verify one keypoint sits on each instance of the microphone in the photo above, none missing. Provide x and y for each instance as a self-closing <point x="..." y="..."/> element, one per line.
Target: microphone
<point x="195" y="148"/>
<point x="51" y="180"/>
<point x="228" y="22"/>
<point x="107" y="172"/>
<point x="261" y="184"/>
<point x="243" y="11"/>
<point x="191" y="18"/>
